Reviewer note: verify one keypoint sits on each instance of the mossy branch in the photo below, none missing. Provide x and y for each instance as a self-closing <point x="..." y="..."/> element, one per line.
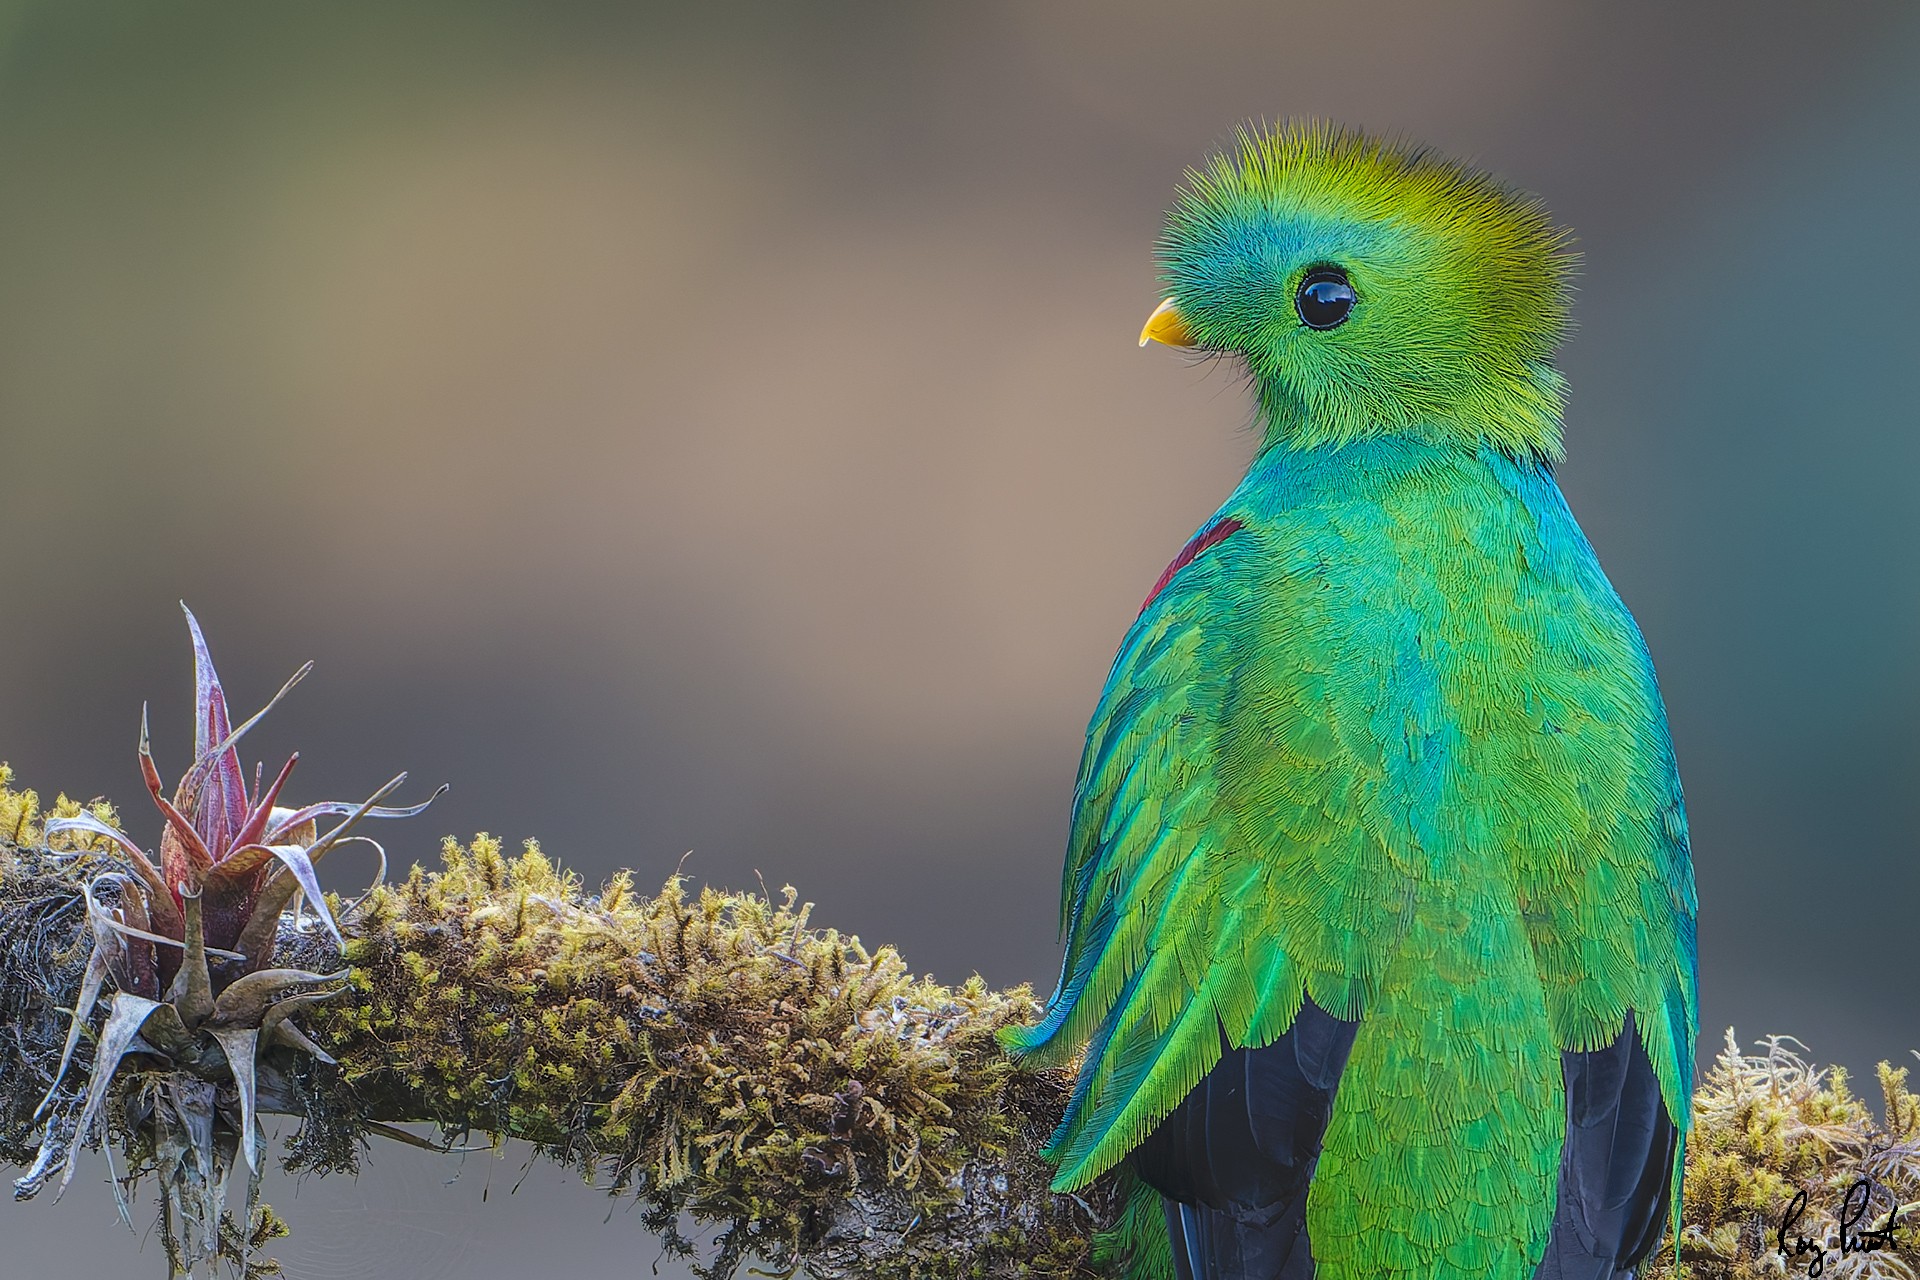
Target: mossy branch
<point x="713" y="1054"/>
<point x="721" y="1059"/>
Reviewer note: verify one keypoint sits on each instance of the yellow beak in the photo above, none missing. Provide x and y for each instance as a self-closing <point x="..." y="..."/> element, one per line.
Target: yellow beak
<point x="1166" y="326"/>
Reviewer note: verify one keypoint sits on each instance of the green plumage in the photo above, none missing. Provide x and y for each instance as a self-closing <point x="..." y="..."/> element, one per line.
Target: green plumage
<point x="1393" y="744"/>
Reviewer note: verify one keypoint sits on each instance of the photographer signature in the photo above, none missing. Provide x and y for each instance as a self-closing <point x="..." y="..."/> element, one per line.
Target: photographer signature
<point x="1853" y="1207"/>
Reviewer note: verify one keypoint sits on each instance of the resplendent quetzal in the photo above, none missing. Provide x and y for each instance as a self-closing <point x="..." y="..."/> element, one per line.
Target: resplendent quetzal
<point x="1378" y="903"/>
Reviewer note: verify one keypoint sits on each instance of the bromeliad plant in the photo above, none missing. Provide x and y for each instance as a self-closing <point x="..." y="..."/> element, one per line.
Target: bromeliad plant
<point x="187" y="942"/>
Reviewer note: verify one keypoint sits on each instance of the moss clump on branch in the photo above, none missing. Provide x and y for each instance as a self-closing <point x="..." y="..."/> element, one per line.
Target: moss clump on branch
<point x="721" y="1059"/>
<point x="713" y="1055"/>
<point x="43" y="935"/>
<point x="1768" y="1126"/>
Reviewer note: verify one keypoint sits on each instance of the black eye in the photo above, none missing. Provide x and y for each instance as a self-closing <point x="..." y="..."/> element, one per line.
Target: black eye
<point x="1325" y="299"/>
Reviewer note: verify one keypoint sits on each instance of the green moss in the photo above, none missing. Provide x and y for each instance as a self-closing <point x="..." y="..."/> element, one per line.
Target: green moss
<point x="1769" y="1125"/>
<point x="712" y="1053"/>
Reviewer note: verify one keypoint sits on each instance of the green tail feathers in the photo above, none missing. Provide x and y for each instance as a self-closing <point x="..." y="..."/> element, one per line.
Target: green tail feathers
<point x="1136" y="1247"/>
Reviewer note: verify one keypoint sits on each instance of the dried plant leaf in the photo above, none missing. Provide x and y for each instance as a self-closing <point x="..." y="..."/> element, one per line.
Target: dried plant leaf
<point x="286" y="1033"/>
<point x="379" y="875"/>
<point x="142" y="865"/>
<point x="87" y="822"/>
<point x="258" y="934"/>
<point x="192" y="989"/>
<point x="240" y="1045"/>
<point x="124" y="929"/>
<point x="82" y="1010"/>
<point x="248" y="1001"/>
<point x="230" y="740"/>
<point x="299" y="860"/>
<point x="367" y="810"/>
<point x="299" y="864"/>
<point x="117" y="1037"/>
<point x="276" y="1024"/>
<point x="165" y="1031"/>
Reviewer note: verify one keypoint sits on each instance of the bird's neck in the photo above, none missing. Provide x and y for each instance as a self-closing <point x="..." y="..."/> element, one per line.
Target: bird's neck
<point x="1519" y="417"/>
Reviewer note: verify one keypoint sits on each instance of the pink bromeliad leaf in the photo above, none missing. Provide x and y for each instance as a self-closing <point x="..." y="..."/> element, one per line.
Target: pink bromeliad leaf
<point x="212" y="799"/>
<point x="214" y="791"/>
<point x="262" y="809"/>
<point x="183" y="855"/>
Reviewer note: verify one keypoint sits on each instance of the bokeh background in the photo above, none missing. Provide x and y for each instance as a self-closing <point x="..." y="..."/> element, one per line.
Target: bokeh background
<point x="719" y="428"/>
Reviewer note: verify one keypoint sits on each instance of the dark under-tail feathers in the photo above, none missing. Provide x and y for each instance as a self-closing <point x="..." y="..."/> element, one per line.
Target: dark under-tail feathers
<point x="1234" y="1159"/>
<point x="1617" y="1165"/>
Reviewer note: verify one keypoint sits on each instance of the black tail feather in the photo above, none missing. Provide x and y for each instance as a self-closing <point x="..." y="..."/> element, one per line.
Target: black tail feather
<point x="1616" y="1169"/>
<point x="1234" y="1159"/>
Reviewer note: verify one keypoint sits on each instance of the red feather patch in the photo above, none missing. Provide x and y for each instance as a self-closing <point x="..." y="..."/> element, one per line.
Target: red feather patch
<point x="1214" y="534"/>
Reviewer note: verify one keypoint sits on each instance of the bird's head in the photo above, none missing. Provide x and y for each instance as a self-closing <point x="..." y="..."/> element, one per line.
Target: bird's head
<point x="1372" y="290"/>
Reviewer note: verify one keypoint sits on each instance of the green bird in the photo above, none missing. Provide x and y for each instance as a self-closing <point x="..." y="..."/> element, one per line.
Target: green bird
<point x="1378" y="904"/>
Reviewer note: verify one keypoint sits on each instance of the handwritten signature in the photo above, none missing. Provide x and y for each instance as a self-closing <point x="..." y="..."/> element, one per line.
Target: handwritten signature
<point x="1853" y="1208"/>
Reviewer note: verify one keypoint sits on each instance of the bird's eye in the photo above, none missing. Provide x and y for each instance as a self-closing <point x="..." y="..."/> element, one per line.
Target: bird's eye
<point x="1325" y="299"/>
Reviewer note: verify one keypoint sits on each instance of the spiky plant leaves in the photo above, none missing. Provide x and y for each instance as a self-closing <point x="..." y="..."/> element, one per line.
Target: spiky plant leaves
<point x="251" y="1000"/>
<point x="136" y="857"/>
<point x="165" y="1031"/>
<point x="104" y="945"/>
<point x="193" y="1032"/>
<point x="117" y="1039"/>
<point x="277" y="1026"/>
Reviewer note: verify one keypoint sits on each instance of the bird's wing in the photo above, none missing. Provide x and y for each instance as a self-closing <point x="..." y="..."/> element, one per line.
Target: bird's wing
<point x="1159" y="877"/>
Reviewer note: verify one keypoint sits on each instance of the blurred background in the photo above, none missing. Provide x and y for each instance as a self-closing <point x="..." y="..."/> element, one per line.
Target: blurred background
<point x="719" y="428"/>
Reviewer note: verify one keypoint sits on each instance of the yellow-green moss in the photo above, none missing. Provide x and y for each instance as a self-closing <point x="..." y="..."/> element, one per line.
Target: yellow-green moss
<point x="21" y="818"/>
<point x="1768" y="1125"/>
<point x="716" y="1055"/>
<point x="712" y="1052"/>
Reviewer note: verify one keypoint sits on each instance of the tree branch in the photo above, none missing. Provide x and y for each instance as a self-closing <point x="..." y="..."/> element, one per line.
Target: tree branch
<point x="721" y="1059"/>
<point x="715" y="1056"/>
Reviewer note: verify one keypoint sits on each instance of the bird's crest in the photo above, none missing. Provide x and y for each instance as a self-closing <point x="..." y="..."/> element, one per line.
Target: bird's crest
<point x="1373" y="289"/>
